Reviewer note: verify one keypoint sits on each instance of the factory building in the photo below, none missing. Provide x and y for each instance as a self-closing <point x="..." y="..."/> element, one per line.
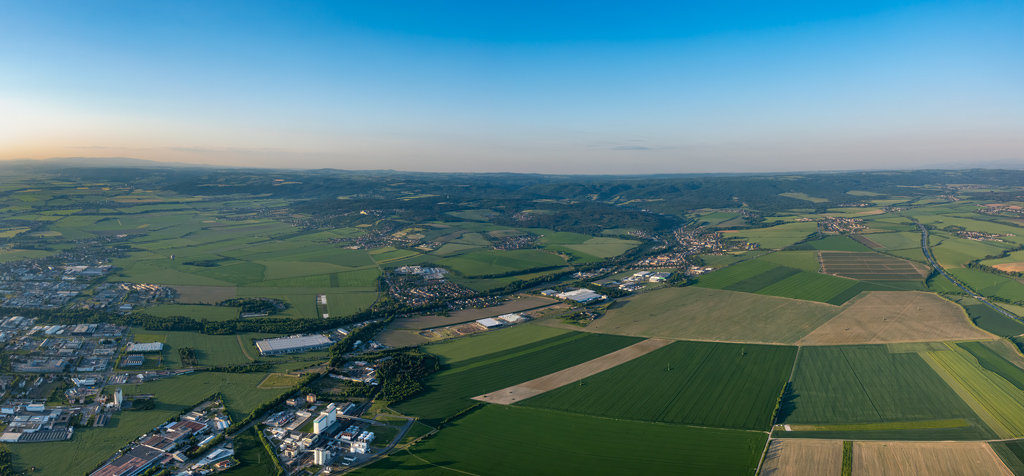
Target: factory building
<point x="292" y="344"/>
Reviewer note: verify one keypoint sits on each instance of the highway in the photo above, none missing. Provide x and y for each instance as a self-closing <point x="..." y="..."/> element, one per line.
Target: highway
<point x="935" y="264"/>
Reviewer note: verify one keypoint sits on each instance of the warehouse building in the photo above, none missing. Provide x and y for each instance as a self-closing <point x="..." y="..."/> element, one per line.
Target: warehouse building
<point x="146" y="347"/>
<point x="292" y="344"/>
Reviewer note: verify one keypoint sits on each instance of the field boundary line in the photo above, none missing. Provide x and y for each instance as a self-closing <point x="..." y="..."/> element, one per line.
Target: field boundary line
<point x="414" y="455"/>
<point x="537" y="386"/>
<point x="983" y="413"/>
<point x="242" y="346"/>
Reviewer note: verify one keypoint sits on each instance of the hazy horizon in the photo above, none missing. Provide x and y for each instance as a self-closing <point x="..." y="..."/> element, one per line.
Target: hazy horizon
<point x="589" y="88"/>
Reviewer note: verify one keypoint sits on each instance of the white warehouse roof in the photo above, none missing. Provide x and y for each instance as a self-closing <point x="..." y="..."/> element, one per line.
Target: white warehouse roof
<point x="292" y="344"/>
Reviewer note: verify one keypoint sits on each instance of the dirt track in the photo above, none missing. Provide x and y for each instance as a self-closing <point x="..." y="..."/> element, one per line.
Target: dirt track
<point x="548" y="382"/>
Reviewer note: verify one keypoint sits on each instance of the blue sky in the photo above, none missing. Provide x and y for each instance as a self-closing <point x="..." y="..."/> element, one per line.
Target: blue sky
<point x="589" y="87"/>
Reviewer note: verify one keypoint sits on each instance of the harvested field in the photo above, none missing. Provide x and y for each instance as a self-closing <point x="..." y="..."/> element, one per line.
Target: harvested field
<point x="1011" y="267"/>
<point x="896" y="316"/>
<point x="203" y="294"/>
<point x="870" y="266"/>
<point x="401" y="338"/>
<point x="538" y="386"/>
<point x="913" y="457"/>
<point x="697" y="313"/>
<point x="517" y="304"/>
<point x="800" y="457"/>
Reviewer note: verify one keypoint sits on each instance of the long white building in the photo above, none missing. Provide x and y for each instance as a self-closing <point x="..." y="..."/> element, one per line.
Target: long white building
<point x="293" y="344"/>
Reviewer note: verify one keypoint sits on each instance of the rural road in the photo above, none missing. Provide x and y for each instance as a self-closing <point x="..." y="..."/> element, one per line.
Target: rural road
<point x="935" y="264"/>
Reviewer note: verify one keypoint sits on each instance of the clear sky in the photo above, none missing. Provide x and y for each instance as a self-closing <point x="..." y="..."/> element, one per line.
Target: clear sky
<point x="518" y="86"/>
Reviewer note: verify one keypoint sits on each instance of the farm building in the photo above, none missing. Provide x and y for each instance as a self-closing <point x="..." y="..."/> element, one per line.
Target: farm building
<point x="292" y="344"/>
<point x="145" y="347"/>
<point x="581" y="295"/>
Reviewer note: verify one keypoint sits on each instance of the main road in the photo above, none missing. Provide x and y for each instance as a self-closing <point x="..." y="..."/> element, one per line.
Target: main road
<point x="935" y="264"/>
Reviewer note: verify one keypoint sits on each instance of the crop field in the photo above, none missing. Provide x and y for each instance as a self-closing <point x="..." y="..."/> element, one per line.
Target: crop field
<point x="966" y="458"/>
<point x="776" y="237"/>
<point x="718" y="261"/>
<point x="894" y="241"/>
<point x="832" y="243"/>
<point x="990" y="319"/>
<point x="209" y="349"/>
<point x="517" y="304"/>
<point x="479" y="263"/>
<point x="694" y="383"/>
<point x="1001" y="398"/>
<point x="542" y="442"/>
<point x="800" y="457"/>
<point x="697" y="313"/>
<point x="870" y="266"/>
<point x="896" y="316"/>
<point x="802" y="260"/>
<point x="954" y="252"/>
<point x="725" y="277"/>
<point x="868" y="384"/>
<point x="499" y="340"/>
<point x="451" y="390"/>
<point x="1012" y="454"/>
<point x="818" y="287"/>
<point x="576" y="373"/>
<point x="603" y="247"/>
<point x="988" y="284"/>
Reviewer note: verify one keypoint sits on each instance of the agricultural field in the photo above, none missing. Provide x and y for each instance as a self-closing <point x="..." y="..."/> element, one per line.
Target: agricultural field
<point x="989" y="319"/>
<point x="696" y="313"/>
<point x="560" y="443"/>
<point x="868" y="384"/>
<point x="892" y="241"/>
<point x="776" y="237"/>
<point x="1012" y="454"/>
<point x="693" y="383"/>
<point x="988" y="284"/>
<point x="870" y="266"/>
<point x="832" y="243"/>
<point x="203" y="294"/>
<point x="881" y="317"/>
<point x="990" y="381"/>
<point x="603" y="247"/>
<point x="499" y="340"/>
<point x="800" y="457"/>
<point x="481" y="263"/>
<point x="918" y="457"/>
<point x="953" y="252"/>
<point x="451" y="390"/>
<point x="763" y="276"/>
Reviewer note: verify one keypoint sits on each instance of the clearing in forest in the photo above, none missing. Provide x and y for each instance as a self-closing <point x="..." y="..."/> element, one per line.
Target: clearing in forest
<point x="918" y="457"/>
<point x="799" y="457"/>
<point x="510" y="395"/>
<point x="896" y="316"/>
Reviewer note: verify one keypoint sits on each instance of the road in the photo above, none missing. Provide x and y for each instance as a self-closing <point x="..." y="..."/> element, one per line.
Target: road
<point x="935" y="264"/>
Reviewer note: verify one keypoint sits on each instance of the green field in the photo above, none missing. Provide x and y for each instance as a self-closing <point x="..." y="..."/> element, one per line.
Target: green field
<point x="480" y="263"/>
<point x="450" y="390"/>
<point x="832" y="243"/>
<point x="868" y="384"/>
<point x="896" y="240"/>
<point x="476" y="345"/>
<point x="954" y="252"/>
<point x="990" y="319"/>
<point x="988" y="284"/>
<point x="602" y="247"/>
<point x="1012" y="454"/>
<point x="802" y="260"/>
<point x="764" y="277"/>
<point x="695" y="383"/>
<point x="210" y="313"/>
<point x="984" y="380"/>
<point x="498" y="440"/>
<point x="252" y="456"/>
<point x="698" y="313"/>
<point x="776" y="237"/>
<point x="804" y="196"/>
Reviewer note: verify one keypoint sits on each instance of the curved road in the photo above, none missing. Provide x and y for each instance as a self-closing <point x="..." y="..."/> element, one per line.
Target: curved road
<point x="935" y="264"/>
